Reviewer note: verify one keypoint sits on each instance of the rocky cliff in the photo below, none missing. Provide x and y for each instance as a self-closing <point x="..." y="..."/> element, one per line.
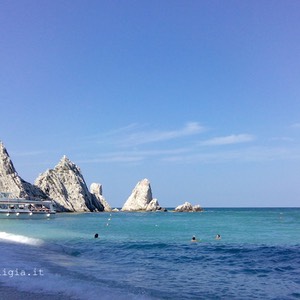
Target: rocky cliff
<point x="141" y="198"/>
<point x="66" y="186"/>
<point x="11" y="182"/>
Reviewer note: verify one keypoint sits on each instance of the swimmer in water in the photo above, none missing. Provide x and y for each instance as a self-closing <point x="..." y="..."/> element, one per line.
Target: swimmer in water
<point x="218" y="237"/>
<point x="194" y="239"/>
<point x="96" y="236"/>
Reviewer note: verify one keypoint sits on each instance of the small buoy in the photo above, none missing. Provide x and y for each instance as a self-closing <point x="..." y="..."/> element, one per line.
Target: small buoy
<point x="8" y="214"/>
<point x="30" y="214"/>
<point x="48" y="215"/>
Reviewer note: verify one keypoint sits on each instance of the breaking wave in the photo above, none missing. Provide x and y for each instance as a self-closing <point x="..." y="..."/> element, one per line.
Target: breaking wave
<point x="21" y="239"/>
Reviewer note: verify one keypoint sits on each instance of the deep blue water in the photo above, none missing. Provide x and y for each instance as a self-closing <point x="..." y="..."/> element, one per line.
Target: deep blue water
<point x="151" y="256"/>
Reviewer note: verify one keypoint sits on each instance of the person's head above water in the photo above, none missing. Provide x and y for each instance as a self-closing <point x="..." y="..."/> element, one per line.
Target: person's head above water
<point x="96" y="235"/>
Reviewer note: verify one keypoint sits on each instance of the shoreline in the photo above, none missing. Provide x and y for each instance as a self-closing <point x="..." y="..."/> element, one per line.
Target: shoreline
<point x="11" y="293"/>
<point x="12" y="250"/>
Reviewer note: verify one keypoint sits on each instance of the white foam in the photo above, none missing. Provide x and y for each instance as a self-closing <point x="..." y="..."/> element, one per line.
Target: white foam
<point x="63" y="274"/>
<point x="21" y="239"/>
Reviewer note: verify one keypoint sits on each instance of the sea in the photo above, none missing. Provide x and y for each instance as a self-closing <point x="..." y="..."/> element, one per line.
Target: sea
<point x="150" y="255"/>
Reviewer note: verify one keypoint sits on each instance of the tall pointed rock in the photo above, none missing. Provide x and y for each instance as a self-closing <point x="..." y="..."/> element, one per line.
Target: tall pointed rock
<point x="98" y="200"/>
<point x="141" y="198"/>
<point x="66" y="186"/>
<point x="12" y="183"/>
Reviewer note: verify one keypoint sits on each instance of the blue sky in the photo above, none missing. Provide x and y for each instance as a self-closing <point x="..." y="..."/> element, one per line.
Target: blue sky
<point x="200" y="97"/>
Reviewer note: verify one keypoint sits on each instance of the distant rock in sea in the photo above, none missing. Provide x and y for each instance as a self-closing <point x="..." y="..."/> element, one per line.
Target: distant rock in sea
<point x="96" y="191"/>
<point x="188" y="207"/>
<point x="141" y="198"/>
<point x="66" y="186"/>
<point x="11" y="182"/>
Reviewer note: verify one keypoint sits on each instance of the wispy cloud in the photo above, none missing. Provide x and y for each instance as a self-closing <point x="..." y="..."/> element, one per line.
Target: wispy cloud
<point x="137" y="144"/>
<point x="295" y="125"/>
<point x="227" y="140"/>
<point x="282" y="139"/>
<point x="28" y="153"/>
<point x="134" y="155"/>
<point x="250" y="154"/>
<point x="159" y="136"/>
<point x="124" y="129"/>
<point x="195" y="153"/>
<point x="133" y="135"/>
<point x="113" y="158"/>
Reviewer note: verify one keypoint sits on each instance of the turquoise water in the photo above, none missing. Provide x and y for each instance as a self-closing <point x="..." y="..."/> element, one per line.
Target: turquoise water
<point x="150" y="255"/>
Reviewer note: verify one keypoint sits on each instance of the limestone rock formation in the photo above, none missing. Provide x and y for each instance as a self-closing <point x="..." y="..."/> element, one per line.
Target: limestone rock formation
<point x="141" y="198"/>
<point x="153" y="205"/>
<point x="96" y="191"/>
<point x="11" y="182"/>
<point x="197" y="208"/>
<point x="187" y="207"/>
<point x="66" y="186"/>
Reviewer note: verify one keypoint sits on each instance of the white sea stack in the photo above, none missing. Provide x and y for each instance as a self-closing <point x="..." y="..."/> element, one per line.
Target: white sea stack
<point x="153" y="205"/>
<point x="11" y="182"/>
<point x="96" y="191"/>
<point x="188" y="207"/>
<point x="197" y="208"/>
<point x="66" y="186"/>
<point x="141" y="198"/>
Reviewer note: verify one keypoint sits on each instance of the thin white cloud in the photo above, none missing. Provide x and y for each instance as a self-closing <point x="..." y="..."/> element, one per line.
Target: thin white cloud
<point x="113" y="158"/>
<point x="133" y="156"/>
<point x="282" y="139"/>
<point x="295" y="125"/>
<point x="124" y="129"/>
<point x="195" y="155"/>
<point x="153" y="136"/>
<point x="28" y="153"/>
<point x="228" y="140"/>
<point x="251" y="154"/>
<point x="137" y="134"/>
